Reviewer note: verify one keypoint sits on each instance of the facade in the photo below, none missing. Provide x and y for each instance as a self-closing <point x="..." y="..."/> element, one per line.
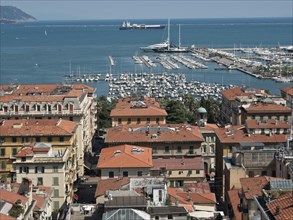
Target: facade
<point x="45" y="166"/>
<point x="168" y="212"/>
<point x="16" y="134"/>
<point x="53" y="101"/>
<point x="179" y="171"/>
<point x="287" y="94"/>
<point x="165" y="140"/>
<point x="125" y="161"/>
<point x="133" y="111"/>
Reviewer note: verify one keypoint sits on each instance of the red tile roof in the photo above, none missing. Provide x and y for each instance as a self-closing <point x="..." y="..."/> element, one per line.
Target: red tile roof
<point x="231" y="94"/>
<point x="110" y="185"/>
<point x="6" y="217"/>
<point x="125" y="156"/>
<point x="253" y="185"/>
<point x="194" y="163"/>
<point x="285" y="203"/>
<point x="238" y="134"/>
<point x="263" y="108"/>
<point x="44" y="92"/>
<point x="288" y="90"/>
<point x="11" y="197"/>
<point x="137" y="134"/>
<point x="149" y="107"/>
<point x="34" y="127"/>
<point x="235" y="201"/>
<point x="197" y="187"/>
<point x="269" y="123"/>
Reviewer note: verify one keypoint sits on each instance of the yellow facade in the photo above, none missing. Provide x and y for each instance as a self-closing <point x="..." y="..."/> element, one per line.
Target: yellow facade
<point x="143" y="120"/>
<point x="10" y="146"/>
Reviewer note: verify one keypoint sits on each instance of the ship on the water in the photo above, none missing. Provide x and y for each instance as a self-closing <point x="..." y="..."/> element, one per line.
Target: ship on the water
<point x="126" y="25"/>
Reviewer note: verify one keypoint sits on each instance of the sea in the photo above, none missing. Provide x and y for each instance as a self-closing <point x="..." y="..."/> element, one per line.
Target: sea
<point x="46" y="51"/>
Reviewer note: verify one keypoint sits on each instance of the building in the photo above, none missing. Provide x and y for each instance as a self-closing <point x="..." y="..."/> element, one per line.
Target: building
<point x="267" y="126"/>
<point x="233" y="136"/>
<point x="125" y="161"/>
<point x="165" y="140"/>
<point x="17" y="134"/>
<point x="53" y="101"/>
<point x="25" y="201"/>
<point x="233" y="99"/>
<point x="179" y="171"/>
<point x="287" y="94"/>
<point x="50" y="167"/>
<point x="137" y="111"/>
<point x="258" y="192"/>
<point x="168" y="212"/>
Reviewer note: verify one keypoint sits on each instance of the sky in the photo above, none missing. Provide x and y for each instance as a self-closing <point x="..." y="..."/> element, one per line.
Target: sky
<point x="151" y="9"/>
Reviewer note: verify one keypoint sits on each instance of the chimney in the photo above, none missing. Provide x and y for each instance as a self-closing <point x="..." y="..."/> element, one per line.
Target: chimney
<point x="277" y="210"/>
<point x="188" y="196"/>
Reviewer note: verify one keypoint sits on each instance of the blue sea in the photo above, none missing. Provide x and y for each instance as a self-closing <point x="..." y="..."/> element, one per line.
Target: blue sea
<point x="44" y="51"/>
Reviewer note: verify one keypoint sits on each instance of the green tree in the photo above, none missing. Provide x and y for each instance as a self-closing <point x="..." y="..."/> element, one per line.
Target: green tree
<point x="176" y="112"/>
<point x="103" y="112"/>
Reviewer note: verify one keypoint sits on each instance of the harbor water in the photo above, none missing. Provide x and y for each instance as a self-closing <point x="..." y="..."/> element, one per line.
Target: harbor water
<point x="45" y="51"/>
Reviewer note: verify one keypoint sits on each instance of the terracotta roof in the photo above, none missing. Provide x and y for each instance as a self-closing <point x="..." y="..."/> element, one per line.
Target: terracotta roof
<point x="253" y="185"/>
<point x="11" y="197"/>
<point x="269" y="123"/>
<point x="238" y="134"/>
<point x="26" y="151"/>
<point x="285" y="203"/>
<point x="42" y="198"/>
<point x="137" y="134"/>
<point x="127" y="156"/>
<point x="200" y="187"/>
<point x="288" y="90"/>
<point x="149" y="107"/>
<point x="110" y="184"/>
<point x="231" y="94"/>
<point x="267" y="108"/>
<point x="6" y="217"/>
<point x="34" y="127"/>
<point x="44" y="92"/>
<point x="194" y="163"/>
<point x="235" y="201"/>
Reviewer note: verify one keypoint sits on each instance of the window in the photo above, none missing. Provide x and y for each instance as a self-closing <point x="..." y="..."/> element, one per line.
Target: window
<point x="70" y="118"/>
<point x="39" y="169"/>
<point x="23" y="169"/>
<point x="264" y="173"/>
<point x="119" y="121"/>
<point x="157" y="217"/>
<point x="158" y="120"/>
<point x="49" y="139"/>
<point x="56" y="205"/>
<point x="14" y="140"/>
<point x="27" y="108"/>
<point x="55" y="169"/>
<point x="111" y="174"/>
<point x="179" y="149"/>
<point x="191" y="150"/>
<point x="61" y="139"/>
<point x="55" y="181"/>
<point x="139" y="173"/>
<point x="3" y="165"/>
<point x="155" y="150"/>
<point x="212" y="148"/>
<point x="167" y="149"/>
<point x="160" y="196"/>
<point x="38" y="139"/>
<point x="138" y="120"/>
<point x="24" y="139"/>
<point x="189" y="172"/>
<point x="38" y="108"/>
<point x="59" y="108"/>
<point x="171" y="183"/>
<point x="170" y="216"/>
<point x="128" y="120"/>
<point x="197" y="171"/>
<point x="180" y="172"/>
<point x="170" y="172"/>
<point x="56" y="192"/>
<point x="148" y="120"/>
<point x="71" y="108"/>
<point x="204" y="148"/>
<point x="2" y="154"/>
<point x="125" y="173"/>
<point x="40" y="181"/>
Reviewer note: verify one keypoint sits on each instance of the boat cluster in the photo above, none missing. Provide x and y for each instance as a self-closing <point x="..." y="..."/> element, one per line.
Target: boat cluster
<point x="161" y="85"/>
<point x="83" y="77"/>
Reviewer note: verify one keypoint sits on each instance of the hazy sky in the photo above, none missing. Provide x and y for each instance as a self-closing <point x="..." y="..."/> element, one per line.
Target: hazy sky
<point x="120" y="9"/>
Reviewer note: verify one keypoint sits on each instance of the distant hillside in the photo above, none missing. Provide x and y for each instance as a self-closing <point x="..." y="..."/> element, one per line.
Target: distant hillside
<point x="10" y="14"/>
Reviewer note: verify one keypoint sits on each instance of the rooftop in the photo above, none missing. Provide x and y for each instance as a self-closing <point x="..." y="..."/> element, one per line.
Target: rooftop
<point x="231" y="94"/>
<point x="153" y="133"/>
<point x="282" y="207"/>
<point x="35" y="127"/>
<point x="167" y="209"/>
<point x="110" y="184"/>
<point x="288" y="90"/>
<point x="127" y="156"/>
<point x="266" y="108"/>
<point x="266" y="124"/>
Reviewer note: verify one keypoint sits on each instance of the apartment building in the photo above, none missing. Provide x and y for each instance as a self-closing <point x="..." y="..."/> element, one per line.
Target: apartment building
<point x="133" y="111"/>
<point x="287" y="94"/>
<point x="17" y="135"/>
<point x="53" y="101"/>
<point x="46" y="166"/>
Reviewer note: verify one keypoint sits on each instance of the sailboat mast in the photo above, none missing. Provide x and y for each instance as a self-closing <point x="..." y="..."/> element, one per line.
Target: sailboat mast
<point x="179" y="37"/>
<point x="168" y="39"/>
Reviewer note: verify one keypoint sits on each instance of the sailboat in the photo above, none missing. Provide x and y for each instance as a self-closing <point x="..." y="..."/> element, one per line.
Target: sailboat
<point x="166" y="46"/>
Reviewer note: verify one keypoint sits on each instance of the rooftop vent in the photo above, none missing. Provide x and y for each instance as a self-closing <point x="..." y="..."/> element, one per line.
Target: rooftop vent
<point x="117" y="152"/>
